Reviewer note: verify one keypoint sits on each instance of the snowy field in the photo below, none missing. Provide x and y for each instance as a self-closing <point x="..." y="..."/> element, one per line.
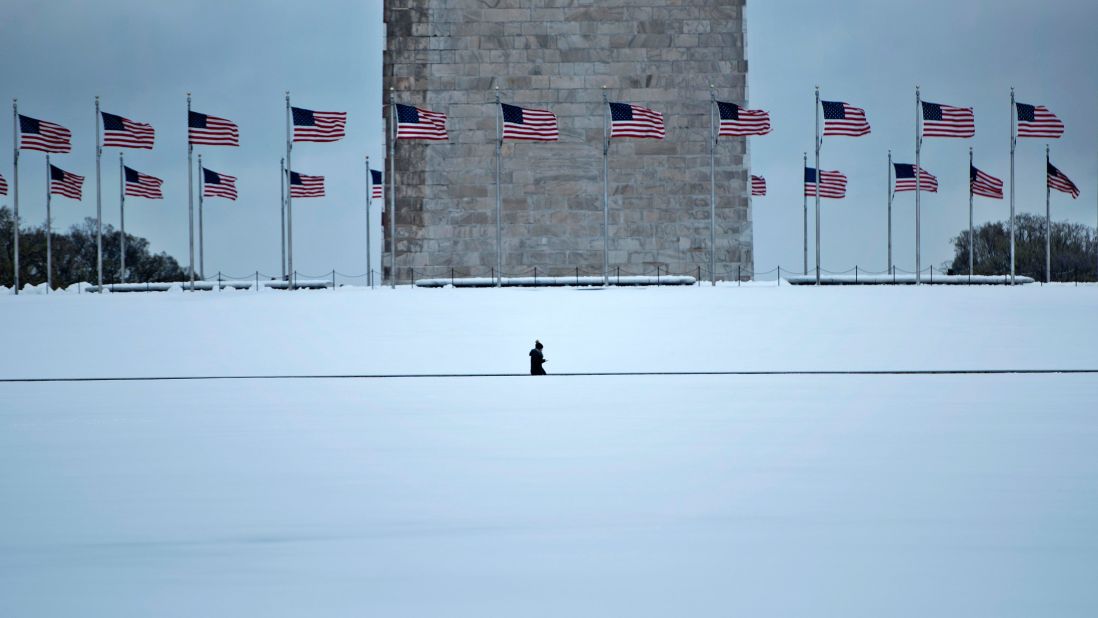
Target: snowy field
<point x="950" y="495"/>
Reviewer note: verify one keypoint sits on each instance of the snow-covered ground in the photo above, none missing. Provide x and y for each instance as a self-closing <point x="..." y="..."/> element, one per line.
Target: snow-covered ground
<point x="645" y="496"/>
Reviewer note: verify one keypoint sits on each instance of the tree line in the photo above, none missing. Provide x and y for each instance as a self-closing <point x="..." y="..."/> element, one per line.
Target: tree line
<point x="1074" y="249"/>
<point x="74" y="255"/>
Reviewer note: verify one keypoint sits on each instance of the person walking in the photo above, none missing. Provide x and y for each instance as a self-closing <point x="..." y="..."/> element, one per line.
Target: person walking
<point x="537" y="359"/>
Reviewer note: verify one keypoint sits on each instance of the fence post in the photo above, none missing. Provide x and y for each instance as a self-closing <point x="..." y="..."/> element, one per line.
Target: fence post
<point x="779" y="275"/>
<point x="535" y="276"/>
<point x="333" y="279"/>
<point x="451" y="277"/>
<point x="577" y="276"/>
<point x="699" y="279"/>
<point x="893" y="274"/>
<point x="257" y="281"/>
<point x="657" y="275"/>
<point x="932" y="273"/>
<point x="219" y="281"/>
<point x="855" y="273"/>
<point x="739" y="274"/>
<point x="619" y="274"/>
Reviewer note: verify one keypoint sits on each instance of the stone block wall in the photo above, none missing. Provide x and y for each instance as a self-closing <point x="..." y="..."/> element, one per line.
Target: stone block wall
<point x="451" y="55"/>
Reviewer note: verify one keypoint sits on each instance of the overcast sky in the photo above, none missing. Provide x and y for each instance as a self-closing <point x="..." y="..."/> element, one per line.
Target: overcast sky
<point x="142" y="57"/>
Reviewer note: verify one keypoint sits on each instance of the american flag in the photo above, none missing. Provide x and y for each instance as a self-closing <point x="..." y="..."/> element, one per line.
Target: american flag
<point x="905" y="178"/>
<point x="310" y="126"/>
<point x="948" y="121"/>
<point x="376" y="185"/>
<point x="628" y="120"/>
<point x="535" y="125"/>
<point x="832" y="185"/>
<point x="65" y="183"/>
<point x="1057" y="180"/>
<point x="3" y="185"/>
<point x="737" y="121"/>
<point x="844" y="119"/>
<point x="218" y="185"/>
<point x="417" y="123"/>
<point x="306" y="186"/>
<point x="1037" y="121"/>
<point x="983" y="184"/>
<point x="211" y="131"/>
<point x="45" y="136"/>
<point x="758" y="185"/>
<point x="142" y="185"/>
<point x="122" y="132"/>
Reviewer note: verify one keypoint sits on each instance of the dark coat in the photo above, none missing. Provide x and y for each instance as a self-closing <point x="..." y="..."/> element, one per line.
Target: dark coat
<point x="537" y="359"/>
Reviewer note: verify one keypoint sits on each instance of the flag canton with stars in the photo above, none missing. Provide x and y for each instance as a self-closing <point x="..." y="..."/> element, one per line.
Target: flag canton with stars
<point x="834" y="110"/>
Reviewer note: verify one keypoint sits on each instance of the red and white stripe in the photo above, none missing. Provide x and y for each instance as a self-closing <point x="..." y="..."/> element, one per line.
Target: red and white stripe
<point x="852" y="124"/>
<point x="143" y="185"/>
<point x="985" y="185"/>
<point x="3" y="185"/>
<point x="306" y="186"/>
<point x="119" y="132"/>
<point x="832" y="185"/>
<point x="749" y="122"/>
<point x="645" y="123"/>
<point x="758" y="186"/>
<point x="535" y="125"/>
<point x="1044" y="123"/>
<point x="65" y="183"/>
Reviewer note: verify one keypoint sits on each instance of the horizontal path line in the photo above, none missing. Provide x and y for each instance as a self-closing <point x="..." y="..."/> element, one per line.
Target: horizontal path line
<point x="378" y="376"/>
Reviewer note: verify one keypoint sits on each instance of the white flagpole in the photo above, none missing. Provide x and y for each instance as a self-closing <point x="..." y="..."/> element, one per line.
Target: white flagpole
<point x="99" y="200"/>
<point x="1013" y="145"/>
<point x="890" y="211"/>
<point x="605" y="189"/>
<point x="190" y="195"/>
<point x="282" y="207"/>
<point x="499" y="203"/>
<point x="15" y="191"/>
<point x="369" y="203"/>
<point x="918" y="186"/>
<point x="289" y="201"/>
<point x="816" y="111"/>
<point x="713" y="136"/>
<point x="971" y="238"/>
<point x="804" y="199"/>
<point x="1048" y="222"/>
<point x="122" y="217"/>
<point x="49" y="230"/>
<point x="392" y="188"/>
<point x="201" y="225"/>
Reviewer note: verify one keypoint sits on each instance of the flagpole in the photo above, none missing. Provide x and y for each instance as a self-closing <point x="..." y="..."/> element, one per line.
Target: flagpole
<point x="282" y="206"/>
<point x="971" y="238"/>
<point x="890" y="211"/>
<point x="369" y="203"/>
<point x="122" y="216"/>
<point x="1048" y="222"/>
<point x="201" y="225"/>
<point x="392" y="188"/>
<point x="816" y="111"/>
<point x="49" y="233"/>
<point x="289" y="202"/>
<point x="99" y="200"/>
<point x="918" y="187"/>
<point x="190" y="196"/>
<point x="1013" y="145"/>
<point x="499" y="206"/>
<point x="15" y="189"/>
<point x="804" y="198"/>
<point x="713" y="136"/>
<point x="605" y="189"/>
